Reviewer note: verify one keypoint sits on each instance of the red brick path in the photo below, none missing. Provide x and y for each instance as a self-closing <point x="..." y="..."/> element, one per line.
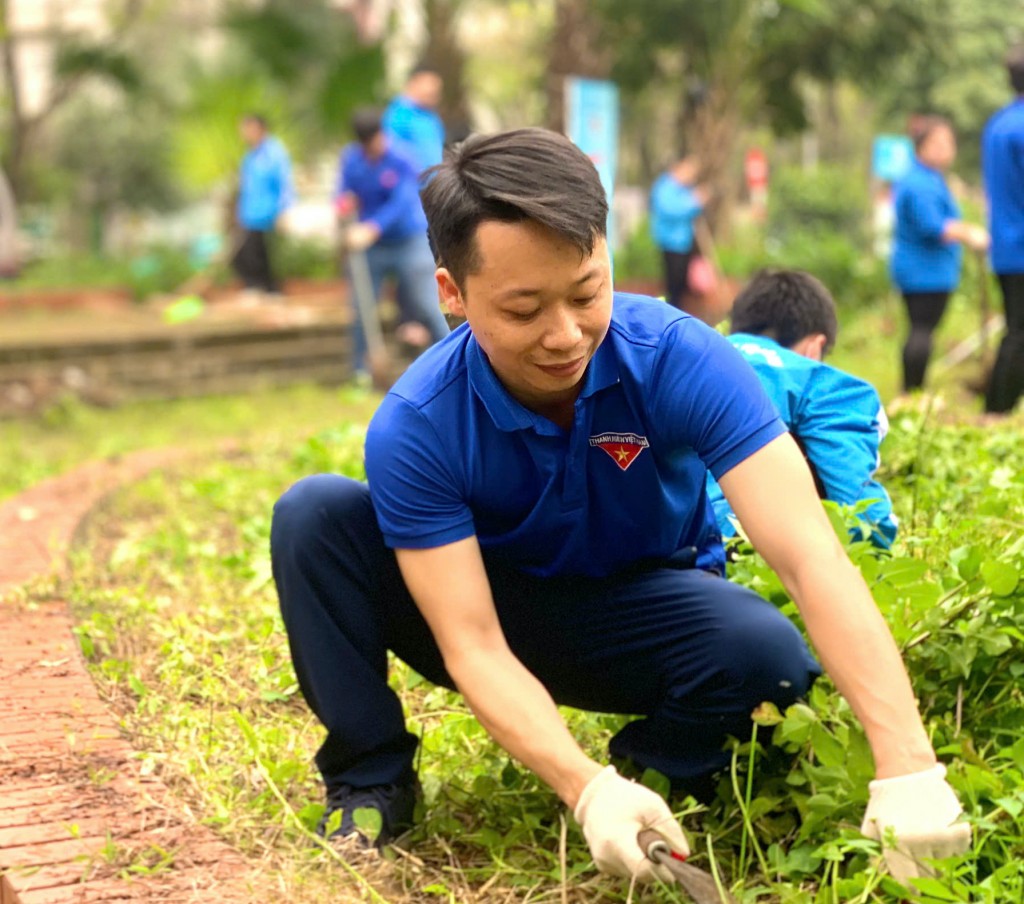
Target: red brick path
<point x="78" y="821"/>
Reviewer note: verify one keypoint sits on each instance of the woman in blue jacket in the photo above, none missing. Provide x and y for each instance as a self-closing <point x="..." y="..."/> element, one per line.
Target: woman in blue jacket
<point x="929" y="232"/>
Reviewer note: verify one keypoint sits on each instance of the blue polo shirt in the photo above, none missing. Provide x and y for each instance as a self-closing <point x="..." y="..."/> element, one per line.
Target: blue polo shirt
<point x="838" y="422"/>
<point x="418" y="128"/>
<point x="264" y="185"/>
<point x="674" y="207"/>
<point x="387" y="189"/>
<point x="1002" y="159"/>
<point x="450" y="453"/>
<point x="921" y="260"/>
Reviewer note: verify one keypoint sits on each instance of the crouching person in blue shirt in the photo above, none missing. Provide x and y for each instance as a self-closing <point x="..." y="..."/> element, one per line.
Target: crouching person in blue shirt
<point x="784" y="322"/>
<point x="536" y="531"/>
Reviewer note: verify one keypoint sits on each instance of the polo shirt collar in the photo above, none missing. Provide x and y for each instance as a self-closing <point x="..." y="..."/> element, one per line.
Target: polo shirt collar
<point x="507" y="413"/>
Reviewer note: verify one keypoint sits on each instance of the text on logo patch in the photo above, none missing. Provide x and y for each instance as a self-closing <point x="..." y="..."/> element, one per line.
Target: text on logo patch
<point x="623" y="448"/>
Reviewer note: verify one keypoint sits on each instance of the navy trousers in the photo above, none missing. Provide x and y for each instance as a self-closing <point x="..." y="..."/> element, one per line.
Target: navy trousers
<point x="688" y="651"/>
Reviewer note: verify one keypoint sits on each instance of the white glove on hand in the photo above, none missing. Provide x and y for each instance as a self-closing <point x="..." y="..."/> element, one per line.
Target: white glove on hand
<point x="921" y="810"/>
<point x="360" y="236"/>
<point x="612" y="811"/>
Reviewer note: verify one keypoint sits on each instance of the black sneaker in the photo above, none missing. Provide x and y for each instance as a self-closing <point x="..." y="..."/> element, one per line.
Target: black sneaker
<point x="360" y="809"/>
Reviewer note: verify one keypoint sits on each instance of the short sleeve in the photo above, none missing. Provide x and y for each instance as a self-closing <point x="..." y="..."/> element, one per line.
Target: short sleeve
<point x="707" y="397"/>
<point x="926" y="210"/>
<point x="418" y="498"/>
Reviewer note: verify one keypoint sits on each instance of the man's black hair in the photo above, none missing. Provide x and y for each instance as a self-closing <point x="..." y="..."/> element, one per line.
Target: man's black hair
<point x="257" y="118"/>
<point x="423" y="67"/>
<point x="366" y="122"/>
<point x="526" y="174"/>
<point x="922" y="126"/>
<point x="1015" y="67"/>
<point x="787" y="306"/>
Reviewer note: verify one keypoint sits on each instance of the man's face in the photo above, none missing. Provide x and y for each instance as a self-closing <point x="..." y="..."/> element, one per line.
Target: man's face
<point x="537" y="309"/>
<point x="374" y="147"/>
<point x="252" y="132"/>
<point x="425" y="89"/>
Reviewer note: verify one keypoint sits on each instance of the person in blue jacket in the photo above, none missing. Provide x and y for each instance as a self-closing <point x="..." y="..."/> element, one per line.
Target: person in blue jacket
<point x="378" y="182"/>
<point x="927" y="240"/>
<point x="412" y="119"/>
<point x="535" y="530"/>
<point x="1002" y="158"/>
<point x="784" y="323"/>
<point x="676" y="201"/>
<point x="264" y="193"/>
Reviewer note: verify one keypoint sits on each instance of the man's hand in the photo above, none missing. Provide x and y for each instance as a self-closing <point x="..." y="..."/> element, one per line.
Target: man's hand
<point x="920" y="810"/>
<point x="977" y="238"/>
<point x="613" y="811"/>
<point x="360" y="236"/>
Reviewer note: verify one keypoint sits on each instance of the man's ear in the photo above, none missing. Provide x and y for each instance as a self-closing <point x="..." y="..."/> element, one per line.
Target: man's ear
<point x="812" y="346"/>
<point x="451" y="295"/>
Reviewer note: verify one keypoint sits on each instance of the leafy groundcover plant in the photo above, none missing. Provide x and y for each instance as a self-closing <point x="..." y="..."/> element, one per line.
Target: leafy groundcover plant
<point x="178" y="616"/>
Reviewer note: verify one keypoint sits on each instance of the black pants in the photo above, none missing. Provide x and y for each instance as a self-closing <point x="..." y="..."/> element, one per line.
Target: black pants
<point x="690" y="652"/>
<point x="925" y="310"/>
<point x="1007" y="382"/>
<point x="252" y="261"/>
<point x="677" y="276"/>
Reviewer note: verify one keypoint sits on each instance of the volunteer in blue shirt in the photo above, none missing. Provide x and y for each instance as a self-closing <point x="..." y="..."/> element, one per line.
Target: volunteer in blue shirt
<point x="264" y="193"/>
<point x="676" y="202"/>
<point x="378" y="179"/>
<point x="784" y="322"/>
<point x="412" y="118"/>
<point x="927" y="238"/>
<point x="1002" y="157"/>
<point x="536" y="531"/>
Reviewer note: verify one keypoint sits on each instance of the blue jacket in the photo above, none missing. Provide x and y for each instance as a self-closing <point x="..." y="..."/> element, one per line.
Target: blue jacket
<point x="674" y="207"/>
<point x="1002" y="159"/>
<point x="264" y="185"/>
<point x="836" y="419"/>
<point x="417" y="128"/>
<point x="387" y="190"/>
<point x="921" y="260"/>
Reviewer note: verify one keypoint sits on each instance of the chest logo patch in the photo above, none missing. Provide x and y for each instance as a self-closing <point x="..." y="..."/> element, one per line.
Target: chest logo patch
<point x="622" y="448"/>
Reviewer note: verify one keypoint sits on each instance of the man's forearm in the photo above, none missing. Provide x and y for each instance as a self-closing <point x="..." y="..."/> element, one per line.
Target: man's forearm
<point x="520" y="715"/>
<point x="860" y="655"/>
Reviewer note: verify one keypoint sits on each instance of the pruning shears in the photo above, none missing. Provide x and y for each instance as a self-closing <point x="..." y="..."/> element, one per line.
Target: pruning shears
<point x="699" y="885"/>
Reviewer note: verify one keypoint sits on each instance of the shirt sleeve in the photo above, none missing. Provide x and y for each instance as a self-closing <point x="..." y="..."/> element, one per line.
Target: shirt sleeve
<point x="841" y="424"/>
<point x="708" y="398"/>
<point x="417" y="497"/>
<point x="925" y="210"/>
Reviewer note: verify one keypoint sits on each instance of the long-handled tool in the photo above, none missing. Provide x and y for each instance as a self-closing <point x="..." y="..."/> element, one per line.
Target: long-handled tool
<point x="698" y="884"/>
<point x="378" y="360"/>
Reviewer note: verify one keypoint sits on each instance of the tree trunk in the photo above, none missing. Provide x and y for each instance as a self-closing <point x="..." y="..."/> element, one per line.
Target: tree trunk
<point x="711" y="134"/>
<point x="574" y="49"/>
<point x="444" y="54"/>
<point x="16" y="126"/>
<point x="8" y="229"/>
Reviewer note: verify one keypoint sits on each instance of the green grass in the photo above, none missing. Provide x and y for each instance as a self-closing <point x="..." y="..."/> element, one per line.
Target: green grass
<point x="178" y="617"/>
<point x="70" y="433"/>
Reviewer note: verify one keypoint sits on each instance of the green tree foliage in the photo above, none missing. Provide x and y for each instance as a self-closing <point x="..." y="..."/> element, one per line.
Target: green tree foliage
<point x="310" y="49"/>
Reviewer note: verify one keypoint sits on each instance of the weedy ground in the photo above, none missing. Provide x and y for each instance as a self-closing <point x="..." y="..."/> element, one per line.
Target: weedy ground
<point x="178" y="616"/>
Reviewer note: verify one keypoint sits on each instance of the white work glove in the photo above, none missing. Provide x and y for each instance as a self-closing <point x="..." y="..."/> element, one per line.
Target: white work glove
<point x="978" y="238"/>
<point x="921" y="810"/>
<point x="360" y="236"/>
<point x="612" y="811"/>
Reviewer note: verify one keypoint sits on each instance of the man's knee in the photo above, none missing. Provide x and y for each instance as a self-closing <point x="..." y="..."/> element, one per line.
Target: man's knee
<point x="314" y="505"/>
<point x="767" y="658"/>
